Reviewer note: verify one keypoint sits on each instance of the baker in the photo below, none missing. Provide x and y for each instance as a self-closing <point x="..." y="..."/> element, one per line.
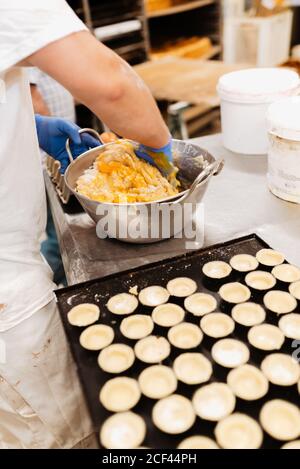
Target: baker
<point x="41" y="403"/>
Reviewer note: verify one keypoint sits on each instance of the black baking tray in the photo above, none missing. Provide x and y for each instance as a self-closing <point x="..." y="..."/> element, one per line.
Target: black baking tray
<point x="190" y="265"/>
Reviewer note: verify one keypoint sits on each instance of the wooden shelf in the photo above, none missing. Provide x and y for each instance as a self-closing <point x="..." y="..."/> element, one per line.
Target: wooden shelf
<point x="179" y="8"/>
<point x="212" y="52"/>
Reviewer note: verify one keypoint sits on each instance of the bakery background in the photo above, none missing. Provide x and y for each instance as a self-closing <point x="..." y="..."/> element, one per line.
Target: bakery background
<point x="220" y="34"/>
<point x="185" y="51"/>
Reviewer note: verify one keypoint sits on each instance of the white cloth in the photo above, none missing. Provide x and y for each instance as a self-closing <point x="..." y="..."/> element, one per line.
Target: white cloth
<point x="41" y="403"/>
<point x="25" y="279"/>
<point x="29" y="25"/>
<point x="60" y="102"/>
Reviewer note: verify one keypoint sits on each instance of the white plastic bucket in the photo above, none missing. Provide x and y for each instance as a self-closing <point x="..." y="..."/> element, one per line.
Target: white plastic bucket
<point x="245" y="97"/>
<point x="283" y="121"/>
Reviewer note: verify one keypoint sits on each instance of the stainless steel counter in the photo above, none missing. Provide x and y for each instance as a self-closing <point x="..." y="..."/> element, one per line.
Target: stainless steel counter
<point x="237" y="202"/>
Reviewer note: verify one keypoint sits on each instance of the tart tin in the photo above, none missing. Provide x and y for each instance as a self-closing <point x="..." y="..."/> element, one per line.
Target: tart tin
<point x="96" y="337"/>
<point x="83" y="314"/>
<point x="291" y="445"/>
<point x="153" y="295"/>
<point x="266" y="337"/>
<point x="248" y="382"/>
<point x="173" y="414"/>
<point x="198" y="442"/>
<point x="260" y="280"/>
<point x="269" y="257"/>
<point x="98" y="292"/>
<point x="192" y="368"/>
<point x="234" y="292"/>
<point x="230" y="353"/>
<point x="181" y="287"/>
<point x="152" y="349"/>
<point x="289" y="324"/>
<point x="281" y="369"/>
<point x="217" y="325"/>
<point x="120" y="394"/>
<point x="124" y="430"/>
<point x="200" y="303"/>
<point x="243" y="262"/>
<point x="157" y="381"/>
<point x="248" y="314"/>
<point x="239" y="431"/>
<point x="294" y="289"/>
<point x="185" y="336"/>
<point x="286" y="273"/>
<point x="168" y="314"/>
<point x="281" y="419"/>
<point x="216" y="270"/>
<point x="214" y="401"/>
<point x="116" y="358"/>
<point x="136" y="326"/>
<point x="280" y="302"/>
<point x="122" y="304"/>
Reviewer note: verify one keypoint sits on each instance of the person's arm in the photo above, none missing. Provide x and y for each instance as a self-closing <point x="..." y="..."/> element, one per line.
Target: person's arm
<point x="107" y="85"/>
<point x="39" y="105"/>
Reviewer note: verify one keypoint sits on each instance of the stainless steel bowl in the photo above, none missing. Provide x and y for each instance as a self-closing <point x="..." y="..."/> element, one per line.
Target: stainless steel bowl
<point x="120" y="217"/>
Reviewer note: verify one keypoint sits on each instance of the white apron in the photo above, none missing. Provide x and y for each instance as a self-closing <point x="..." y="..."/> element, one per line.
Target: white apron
<point x="41" y="402"/>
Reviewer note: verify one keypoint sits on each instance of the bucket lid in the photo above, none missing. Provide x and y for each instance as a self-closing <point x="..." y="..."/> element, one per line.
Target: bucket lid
<point x="258" y="85"/>
<point x="283" y="118"/>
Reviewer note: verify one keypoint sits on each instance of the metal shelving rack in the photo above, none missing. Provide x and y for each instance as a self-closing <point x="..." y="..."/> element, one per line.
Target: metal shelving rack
<point x="133" y="46"/>
<point x="193" y="17"/>
<point x="180" y="8"/>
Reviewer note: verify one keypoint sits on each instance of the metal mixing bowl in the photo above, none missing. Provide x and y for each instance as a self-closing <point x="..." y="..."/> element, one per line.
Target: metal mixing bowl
<point x="187" y="158"/>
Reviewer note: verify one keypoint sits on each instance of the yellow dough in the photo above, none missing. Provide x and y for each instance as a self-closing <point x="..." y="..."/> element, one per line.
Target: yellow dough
<point x="119" y="176"/>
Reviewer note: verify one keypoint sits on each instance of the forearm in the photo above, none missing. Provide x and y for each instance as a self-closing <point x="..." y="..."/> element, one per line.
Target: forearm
<point x="132" y="114"/>
<point x="102" y="81"/>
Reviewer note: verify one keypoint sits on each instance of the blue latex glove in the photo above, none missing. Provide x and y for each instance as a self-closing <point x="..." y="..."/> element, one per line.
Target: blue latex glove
<point x="52" y="135"/>
<point x="160" y="157"/>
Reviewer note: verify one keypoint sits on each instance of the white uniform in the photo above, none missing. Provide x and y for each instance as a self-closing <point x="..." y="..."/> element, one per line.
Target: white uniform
<point x="41" y="404"/>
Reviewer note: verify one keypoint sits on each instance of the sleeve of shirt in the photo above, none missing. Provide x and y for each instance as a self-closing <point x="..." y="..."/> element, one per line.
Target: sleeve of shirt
<point x="27" y="26"/>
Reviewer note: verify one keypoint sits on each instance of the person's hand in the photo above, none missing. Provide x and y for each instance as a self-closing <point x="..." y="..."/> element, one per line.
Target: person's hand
<point x="52" y="135"/>
<point x="160" y="157"/>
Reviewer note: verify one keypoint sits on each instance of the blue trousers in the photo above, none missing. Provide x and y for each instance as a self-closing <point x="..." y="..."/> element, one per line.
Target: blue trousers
<point x="51" y="252"/>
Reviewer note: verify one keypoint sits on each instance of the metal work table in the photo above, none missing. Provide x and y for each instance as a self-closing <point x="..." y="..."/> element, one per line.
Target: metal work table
<point x="237" y="202"/>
